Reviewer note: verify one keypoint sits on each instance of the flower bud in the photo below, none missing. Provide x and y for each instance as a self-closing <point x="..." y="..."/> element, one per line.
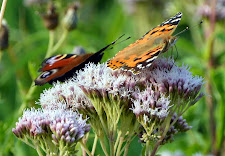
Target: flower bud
<point x="4" y="36"/>
<point x="51" y="18"/>
<point x="70" y="19"/>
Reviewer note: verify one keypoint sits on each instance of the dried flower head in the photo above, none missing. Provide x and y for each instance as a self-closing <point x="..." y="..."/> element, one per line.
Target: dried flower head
<point x="4" y="36"/>
<point x="51" y="17"/>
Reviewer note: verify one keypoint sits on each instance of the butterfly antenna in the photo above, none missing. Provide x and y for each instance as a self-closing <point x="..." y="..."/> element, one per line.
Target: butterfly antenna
<point x="103" y="49"/>
<point x="113" y="43"/>
<point x="187" y="28"/>
<point x="117" y="39"/>
<point x="123" y="40"/>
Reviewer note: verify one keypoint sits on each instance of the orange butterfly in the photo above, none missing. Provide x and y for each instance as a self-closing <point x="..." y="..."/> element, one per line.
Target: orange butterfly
<point x="144" y="51"/>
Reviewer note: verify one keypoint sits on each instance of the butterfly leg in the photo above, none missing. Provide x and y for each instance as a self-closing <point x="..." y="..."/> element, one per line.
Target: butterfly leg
<point x="177" y="52"/>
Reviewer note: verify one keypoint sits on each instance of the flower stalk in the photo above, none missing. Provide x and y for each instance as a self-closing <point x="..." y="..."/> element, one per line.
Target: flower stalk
<point x="50" y="44"/>
<point x="4" y="2"/>
<point x="59" y="43"/>
<point x="85" y="148"/>
<point x="94" y="145"/>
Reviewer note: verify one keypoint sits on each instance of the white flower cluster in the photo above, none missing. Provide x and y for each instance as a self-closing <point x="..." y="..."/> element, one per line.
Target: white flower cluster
<point x="100" y="77"/>
<point x="173" y="79"/>
<point x="67" y="93"/>
<point x="151" y="104"/>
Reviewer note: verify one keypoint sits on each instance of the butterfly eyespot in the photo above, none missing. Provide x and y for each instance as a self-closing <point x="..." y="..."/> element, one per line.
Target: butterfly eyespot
<point x="46" y="74"/>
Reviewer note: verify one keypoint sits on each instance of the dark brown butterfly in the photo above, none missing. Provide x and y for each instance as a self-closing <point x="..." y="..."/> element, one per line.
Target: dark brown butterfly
<point x="63" y="67"/>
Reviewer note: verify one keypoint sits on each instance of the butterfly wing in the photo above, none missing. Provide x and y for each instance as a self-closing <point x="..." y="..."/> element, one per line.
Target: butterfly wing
<point x="60" y="67"/>
<point x="167" y="28"/>
<point x="144" y="51"/>
<point x="63" y="67"/>
<point x="59" y="61"/>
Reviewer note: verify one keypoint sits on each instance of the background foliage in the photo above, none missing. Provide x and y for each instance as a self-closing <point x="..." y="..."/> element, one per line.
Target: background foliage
<point x="101" y="22"/>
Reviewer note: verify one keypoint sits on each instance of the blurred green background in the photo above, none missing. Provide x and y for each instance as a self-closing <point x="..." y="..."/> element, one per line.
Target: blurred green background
<point x="101" y="22"/>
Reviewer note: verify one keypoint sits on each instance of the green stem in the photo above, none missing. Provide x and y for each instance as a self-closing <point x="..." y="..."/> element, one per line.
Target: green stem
<point x="94" y="145"/>
<point x="111" y="145"/>
<point x="38" y="150"/>
<point x="50" y="44"/>
<point x="61" y="149"/>
<point x="27" y="98"/>
<point x="126" y="150"/>
<point x="147" y="150"/>
<point x="98" y="109"/>
<point x="27" y="142"/>
<point x="162" y="137"/>
<point x="103" y="147"/>
<point x="1" y="53"/>
<point x="118" y="139"/>
<point x="2" y="11"/>
<point x="85" y="148"/>
<point x="148" y="131"/>
<point x="60" y="42"/>
<point x="127" y="145"/>
<point x="119" y="146"/>
<point x="33" y="88"/>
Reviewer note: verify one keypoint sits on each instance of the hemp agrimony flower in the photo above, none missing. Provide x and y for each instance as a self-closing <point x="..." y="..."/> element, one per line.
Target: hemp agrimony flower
<point x="55" y="131"/>
<point x="159" y="107"/>
<point x="103" y="95"/>
<point x="120" y="104"/>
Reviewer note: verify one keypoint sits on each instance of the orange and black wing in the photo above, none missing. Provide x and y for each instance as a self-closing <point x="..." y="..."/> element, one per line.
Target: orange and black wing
<point x="144" y="51"/>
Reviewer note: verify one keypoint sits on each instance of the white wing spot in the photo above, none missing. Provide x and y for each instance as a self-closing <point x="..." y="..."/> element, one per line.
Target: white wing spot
<point x="148" y="65"/>
<point x="140" y="66"/>
<point x="151" y="59"/>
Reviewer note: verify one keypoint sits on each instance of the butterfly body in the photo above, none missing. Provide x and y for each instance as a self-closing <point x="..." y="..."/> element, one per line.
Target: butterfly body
<point x="144" y="51"/>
